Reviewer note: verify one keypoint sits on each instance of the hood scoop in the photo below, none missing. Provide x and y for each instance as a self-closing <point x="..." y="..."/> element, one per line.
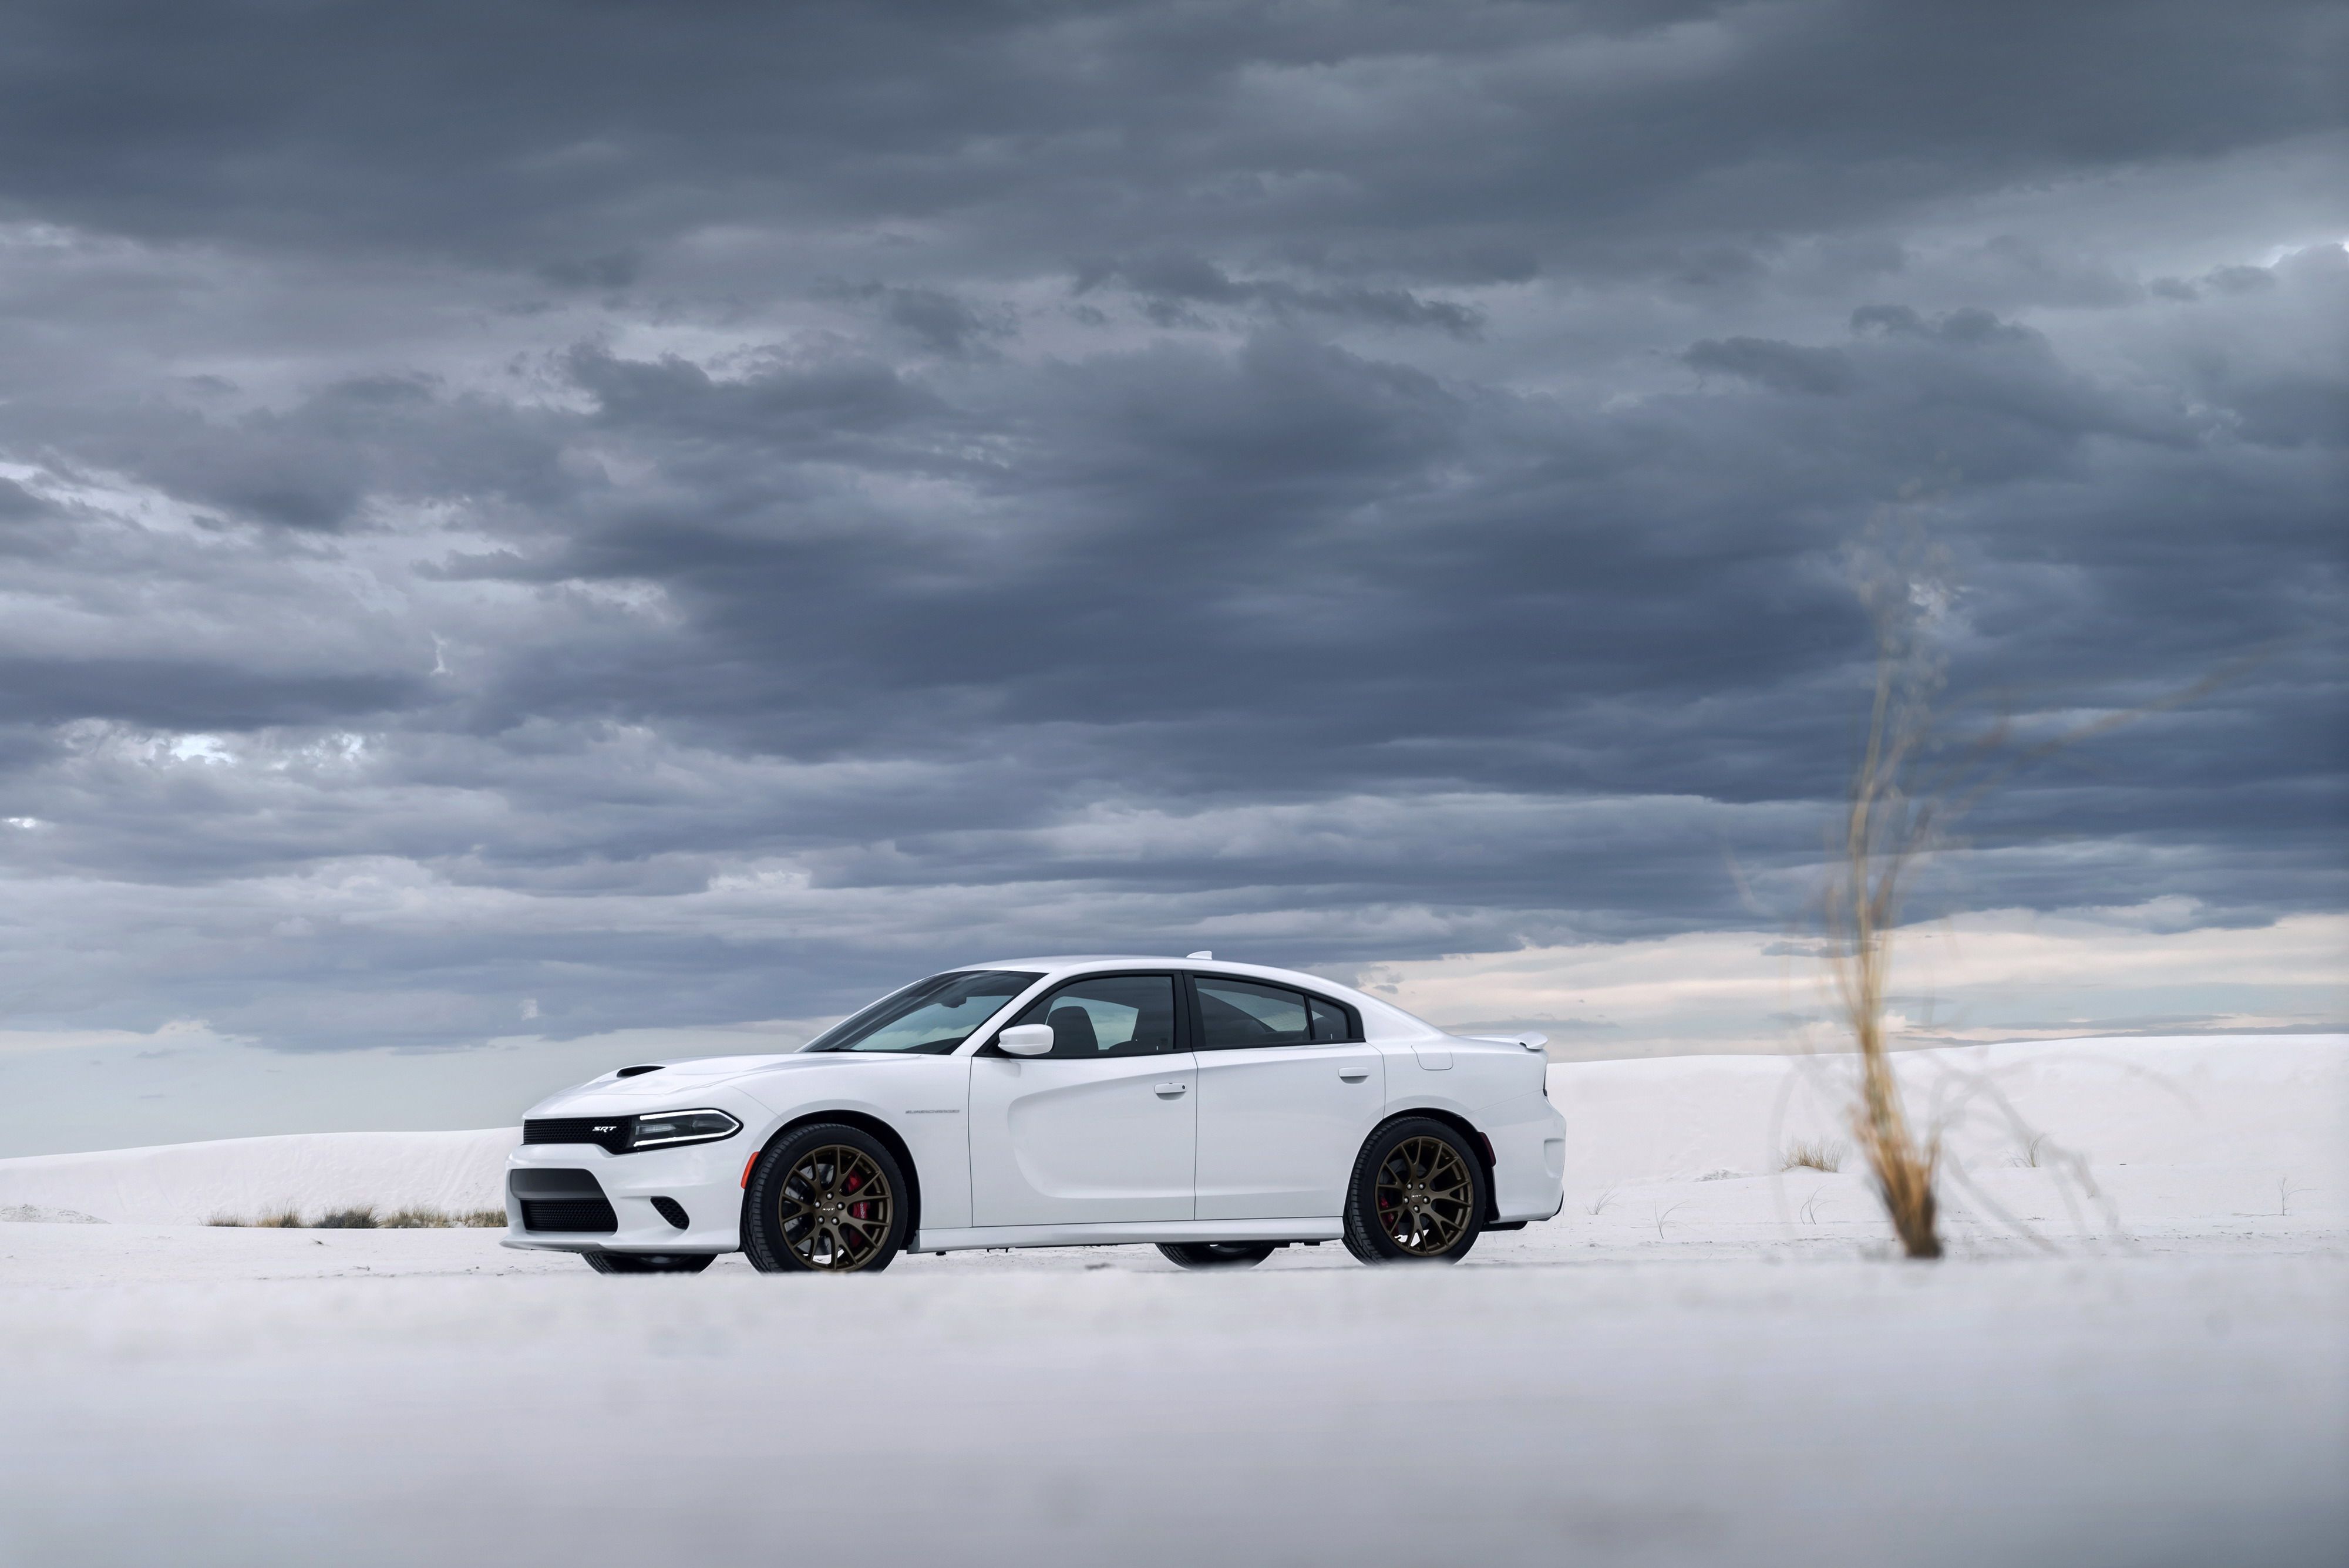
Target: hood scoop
<point x="636" y="1071"/>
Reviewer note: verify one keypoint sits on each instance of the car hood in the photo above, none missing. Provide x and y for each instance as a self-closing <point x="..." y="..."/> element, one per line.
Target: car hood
<point x="675" y="1082"/>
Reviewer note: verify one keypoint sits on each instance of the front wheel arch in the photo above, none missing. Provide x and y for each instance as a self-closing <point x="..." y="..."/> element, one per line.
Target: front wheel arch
<point x="864" y="1123"/>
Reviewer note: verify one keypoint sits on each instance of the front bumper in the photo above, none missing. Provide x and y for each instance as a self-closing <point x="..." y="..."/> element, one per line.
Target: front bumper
<point x="702" y="1181"/>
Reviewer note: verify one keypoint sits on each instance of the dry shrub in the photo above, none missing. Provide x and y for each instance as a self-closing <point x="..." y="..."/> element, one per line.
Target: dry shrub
<point x="1897" y="810"/>
<point x="283" y="1219"/>
<point x="483" y="1219"/>
<point x="359" y="1219"/>
<point x="1818" y="1155"/>
<point x="1884" y="829"/>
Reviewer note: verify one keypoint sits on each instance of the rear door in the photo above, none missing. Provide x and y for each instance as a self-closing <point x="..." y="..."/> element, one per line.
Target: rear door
<point x="1288" y="1092"/>
<point x="1101" y="1131"/>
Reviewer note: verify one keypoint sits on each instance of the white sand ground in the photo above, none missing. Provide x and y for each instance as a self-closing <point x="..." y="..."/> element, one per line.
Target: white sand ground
<point x="2084" y="1137"/>
<point x="1714" y="1368"/>
<point x="246" y="1178"/>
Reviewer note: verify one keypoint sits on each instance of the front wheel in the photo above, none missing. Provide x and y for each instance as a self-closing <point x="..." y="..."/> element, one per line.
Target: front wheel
<point x="1418" y="1195"/>
<point x="828" y="1198"/>
<point x="1215" y="1254"/>
<point x="649" y="1262"/>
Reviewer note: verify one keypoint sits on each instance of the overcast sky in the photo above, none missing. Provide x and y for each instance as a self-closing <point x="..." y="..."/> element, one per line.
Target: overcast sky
<point x="537" y="521"/>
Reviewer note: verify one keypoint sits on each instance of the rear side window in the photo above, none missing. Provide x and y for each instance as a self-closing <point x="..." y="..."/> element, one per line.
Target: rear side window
<point x="1237" y="1013"/>
<point x="1331" y="1022"/>
<point x="1108" y="1015"/>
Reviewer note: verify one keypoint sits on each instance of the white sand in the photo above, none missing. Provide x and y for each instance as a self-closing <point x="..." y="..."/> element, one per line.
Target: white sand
<point x="1713" y="1369"/>
<point x="246" y="1178"/>
<point x="2147" y="1137"/>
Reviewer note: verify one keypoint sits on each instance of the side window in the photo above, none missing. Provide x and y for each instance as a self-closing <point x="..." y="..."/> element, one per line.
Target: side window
<point x="1235" y="1014"/>
<point x="1109" y="1015"/>
<point x="1333" y="1024"/>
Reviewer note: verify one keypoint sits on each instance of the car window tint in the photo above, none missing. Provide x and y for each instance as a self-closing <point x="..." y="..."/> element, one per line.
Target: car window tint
<point x="1329" y="1022"/>
<point x="1234" y="1013"/>
<point x="1109" y="1015"/>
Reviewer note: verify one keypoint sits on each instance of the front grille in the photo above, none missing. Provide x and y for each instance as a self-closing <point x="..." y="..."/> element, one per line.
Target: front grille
<point x="589" y="1216"/>
<point x="612" y="1133"/>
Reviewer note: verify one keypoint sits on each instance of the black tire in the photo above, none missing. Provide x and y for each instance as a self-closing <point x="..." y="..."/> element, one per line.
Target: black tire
<point x="801" y="1214"/>
<point x="1419" y="1194"/>
<point x="649" y="1262"/>
<point x="1215" y="1254"/>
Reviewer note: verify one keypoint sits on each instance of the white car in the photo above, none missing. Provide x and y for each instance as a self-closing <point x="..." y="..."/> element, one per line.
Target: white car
<point x="1218" y="1110"/>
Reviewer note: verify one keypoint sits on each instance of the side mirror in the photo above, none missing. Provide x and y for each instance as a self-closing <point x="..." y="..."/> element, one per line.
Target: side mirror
<point x="1027" y="1040"/>
<point x="1533" y="1040"/>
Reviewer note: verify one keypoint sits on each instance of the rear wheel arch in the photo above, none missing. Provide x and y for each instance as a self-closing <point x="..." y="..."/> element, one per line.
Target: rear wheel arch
<point x="865" y="1122"/>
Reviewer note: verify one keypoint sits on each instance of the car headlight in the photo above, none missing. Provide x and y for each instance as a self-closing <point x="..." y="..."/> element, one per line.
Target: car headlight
<point x="673" y="1127"/>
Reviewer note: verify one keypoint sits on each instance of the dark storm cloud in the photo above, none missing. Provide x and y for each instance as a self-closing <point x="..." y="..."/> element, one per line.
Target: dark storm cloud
<point x="686" y="512"/>
<point x="595" y="126"/>
<point x="1173" y="284"/>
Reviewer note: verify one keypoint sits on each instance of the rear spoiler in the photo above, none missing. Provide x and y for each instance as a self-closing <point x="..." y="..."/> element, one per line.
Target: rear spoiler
<point x="1532" y="1039"/>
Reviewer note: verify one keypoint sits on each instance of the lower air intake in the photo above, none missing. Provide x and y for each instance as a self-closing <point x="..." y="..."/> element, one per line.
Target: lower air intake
<point x="559" y="1202"/>
<point x="577" y="1216"/>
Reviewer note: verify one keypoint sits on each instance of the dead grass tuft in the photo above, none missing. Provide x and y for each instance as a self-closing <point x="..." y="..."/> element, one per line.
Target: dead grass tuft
<point x="364" y="1217"/>
<point x="415" y="1219"/>
<point x="1818" y="1155"/>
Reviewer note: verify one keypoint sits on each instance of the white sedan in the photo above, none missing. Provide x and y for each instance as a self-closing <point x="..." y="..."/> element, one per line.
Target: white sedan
<point x="1218" y="1110"/>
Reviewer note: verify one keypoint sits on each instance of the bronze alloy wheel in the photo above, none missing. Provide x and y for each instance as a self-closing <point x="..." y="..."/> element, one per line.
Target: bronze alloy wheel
<point x="1424" y="1195"/>
<point x="835" y="1207"/>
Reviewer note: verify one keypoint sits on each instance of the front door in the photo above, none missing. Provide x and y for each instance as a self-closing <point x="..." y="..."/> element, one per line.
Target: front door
<point x="1285" y="1098"/>
<point x="1102" y="1131"/>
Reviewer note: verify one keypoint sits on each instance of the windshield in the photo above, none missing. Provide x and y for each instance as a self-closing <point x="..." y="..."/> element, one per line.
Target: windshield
<point x="930" y="1016"/>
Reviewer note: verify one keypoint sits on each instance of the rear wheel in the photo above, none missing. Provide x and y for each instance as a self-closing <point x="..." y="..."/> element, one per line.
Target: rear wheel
<point x="828" y="1198"/>
<point x="1418" y="1195"/>
<point x="1215" y="1254"/>
<point x="649" y="1262"/>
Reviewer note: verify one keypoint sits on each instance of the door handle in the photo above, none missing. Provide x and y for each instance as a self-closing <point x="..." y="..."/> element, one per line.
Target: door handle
<point x="1168" y="1091"/>
<point x="1354" y="1075"/>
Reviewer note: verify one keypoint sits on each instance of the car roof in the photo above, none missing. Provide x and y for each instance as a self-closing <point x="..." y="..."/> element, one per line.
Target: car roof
<point x="1064" y="962"/>
<point x="1396" y="1020"/>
